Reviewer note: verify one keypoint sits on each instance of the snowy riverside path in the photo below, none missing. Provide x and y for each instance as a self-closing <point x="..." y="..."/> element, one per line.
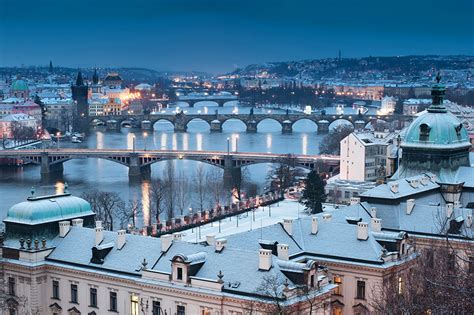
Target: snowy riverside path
<point x="279" y="211"/>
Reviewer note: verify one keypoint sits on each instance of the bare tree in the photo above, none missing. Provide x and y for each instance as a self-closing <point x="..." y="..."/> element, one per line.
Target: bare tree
<point x="105" y="205"/>
<point x="20" y="132"/>
<point x="182" y="192"/>
<point x="201" y="185"/>
<point x="157" y="193"/>
<point x="215" y="185"/>
<point x="270" y="298"/>
<point x="169" y="184"/>
<point x="127" y="213"/>
<point x="282" y="176"/>
<point x="331" y="142"/>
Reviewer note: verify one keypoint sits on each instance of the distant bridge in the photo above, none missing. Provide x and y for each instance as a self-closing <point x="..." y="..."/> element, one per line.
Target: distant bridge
<point x="180" y="121"/>
<point x="217" y="98"/>
<point x="139" y="161"/>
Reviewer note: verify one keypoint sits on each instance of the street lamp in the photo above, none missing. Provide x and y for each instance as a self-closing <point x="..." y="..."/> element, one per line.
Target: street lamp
<point x="133" y="144"/>
<point x="228" y="145"/>
<point x="145" y="135"/>
<point x="58" y="134"/>
<point x="191" y="219"/>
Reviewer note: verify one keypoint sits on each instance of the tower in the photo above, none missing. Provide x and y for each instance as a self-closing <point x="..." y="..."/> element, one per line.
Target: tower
<point x="80" y="94"/>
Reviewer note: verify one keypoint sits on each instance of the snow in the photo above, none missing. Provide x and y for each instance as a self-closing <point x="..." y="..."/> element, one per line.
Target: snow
<point x="279" y="211"/>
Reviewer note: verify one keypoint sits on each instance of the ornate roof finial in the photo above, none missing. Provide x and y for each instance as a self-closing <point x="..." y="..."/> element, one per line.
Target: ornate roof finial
<point x="438" y="77"/>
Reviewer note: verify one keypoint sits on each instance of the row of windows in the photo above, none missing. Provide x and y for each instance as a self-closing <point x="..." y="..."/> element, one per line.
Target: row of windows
<point x="360" y="289"/>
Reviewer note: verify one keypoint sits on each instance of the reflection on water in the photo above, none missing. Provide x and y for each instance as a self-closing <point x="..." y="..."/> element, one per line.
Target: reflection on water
<point x="145" y="190"/>
<point x="86" y="174"/>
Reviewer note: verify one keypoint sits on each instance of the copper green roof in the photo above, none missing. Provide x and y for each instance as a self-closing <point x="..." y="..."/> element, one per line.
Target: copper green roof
<point x="19" y="85"/>
<point x="45" y="209"/>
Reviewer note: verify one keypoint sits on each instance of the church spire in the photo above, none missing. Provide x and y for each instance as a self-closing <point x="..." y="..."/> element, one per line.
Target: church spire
<point x="95" y="77"/>
<point x="79" y="80"/>
<point x="437" y="95"/>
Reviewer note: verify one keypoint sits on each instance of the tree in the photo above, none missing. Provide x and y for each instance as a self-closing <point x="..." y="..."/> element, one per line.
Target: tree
<point x="157" y="193"/>
<point x="331" y="142"/>
<point x="215" y="185"/>
<point x="38" y="101"/>
<point x="182" y="192"/>
<point x="105" y="205"/>
<point x="128" y="213"/>
<point x="170" y="189"/>
<point x="201" y="185"/>
<point x="283" y="174"/>
<point x="271" y="299"/>
<point x="313" y="193"/>
<point x="20" y="132"/>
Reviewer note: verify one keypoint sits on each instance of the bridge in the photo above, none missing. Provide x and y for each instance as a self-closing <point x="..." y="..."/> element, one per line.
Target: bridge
<point x="139" y="161"/>
<point x="220" y="99"/>
<point x="181" y="120"/>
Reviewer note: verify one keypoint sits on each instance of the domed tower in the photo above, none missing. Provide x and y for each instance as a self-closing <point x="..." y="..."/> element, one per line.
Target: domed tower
<point x="19" y="88"/>
<point x="435" y="142"/>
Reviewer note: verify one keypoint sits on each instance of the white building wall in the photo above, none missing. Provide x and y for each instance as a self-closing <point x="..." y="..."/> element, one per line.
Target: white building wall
<point x="352" y="163"/>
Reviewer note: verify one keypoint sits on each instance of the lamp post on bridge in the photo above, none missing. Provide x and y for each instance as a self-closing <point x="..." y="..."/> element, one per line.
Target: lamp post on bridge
<point x="133" y="144"/>
<point x="228" y="146"/>
<point x="145" y="135"/>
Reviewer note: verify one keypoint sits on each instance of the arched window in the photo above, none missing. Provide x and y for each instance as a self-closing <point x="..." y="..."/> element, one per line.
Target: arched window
<point x="424" y="132"/>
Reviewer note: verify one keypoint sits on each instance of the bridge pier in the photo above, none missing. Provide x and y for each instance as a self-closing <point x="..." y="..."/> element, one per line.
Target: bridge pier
<point x="252" y="126"/>
<point x="220" y="103"/>
<point x="232" y="174"/>
<point x="323" y="126"/>
<point x="47" y="168"/>
<point x="180" y="127"/>
<point x="112" y="125"/>
<point x="287" y="127"/>
<point x="216" y="126"/>
<point x="135" y="169"/>
<point x="146" y="125"/>
<point x="359" y="125"/>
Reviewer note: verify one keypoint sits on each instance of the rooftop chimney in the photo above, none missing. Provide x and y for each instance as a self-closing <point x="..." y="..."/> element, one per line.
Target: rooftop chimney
<point x="373" y="212"/>
<point x="424" y="180"/>
<point x="166" y="241"/>
<point x="469" y="220"/>
<point x="64" y="228"/>
<point x="220" y="244"/>
<point x="414" y="182"/>
<point x="449" y="209"/>
<point x="362" y="231"/>
<point x="264" y="259"/>
<point x="78" y="222"/>
<point x="376" y="224"/>
<point x="314" y="225"/>
<point x="355" y="200"/>
<point x="282" y="250"/>
<point x="327" y="217"/>
<point x="210" y="239"/>
<point x="288" y="226"/>
<point x="99" y="233"/>
<point x="394" y="188"/>
<point x="120" y="238"/>
<point x="410" y="205"/>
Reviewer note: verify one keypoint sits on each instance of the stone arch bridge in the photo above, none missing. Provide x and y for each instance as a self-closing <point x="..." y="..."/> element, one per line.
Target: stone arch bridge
<point x="139" y="161"/>
<point x="180" y="121"/>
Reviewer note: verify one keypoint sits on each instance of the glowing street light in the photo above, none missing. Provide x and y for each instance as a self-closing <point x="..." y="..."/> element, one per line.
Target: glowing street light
<point x="58" y="135"/>
<point x="145" y="135"/>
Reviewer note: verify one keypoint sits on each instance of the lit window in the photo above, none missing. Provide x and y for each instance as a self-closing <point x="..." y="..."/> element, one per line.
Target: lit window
<point x="134" y="305"/>
<point x="338" y="282"/>
<point x="400" y="285"/>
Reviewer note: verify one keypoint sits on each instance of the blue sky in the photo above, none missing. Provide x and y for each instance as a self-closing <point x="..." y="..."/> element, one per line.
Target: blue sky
<point x="217" y="36"/>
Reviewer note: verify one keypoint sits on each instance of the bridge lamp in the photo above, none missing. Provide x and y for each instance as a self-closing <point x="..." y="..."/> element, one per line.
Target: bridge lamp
<point x="228" y="145"/>
<point x="180" y="156"/>
<point x="145" y="135"/>
<point x="58" y="135"/>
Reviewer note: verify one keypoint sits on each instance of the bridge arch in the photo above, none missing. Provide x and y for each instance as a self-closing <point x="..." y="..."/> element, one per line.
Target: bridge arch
<point x="144" y="161"/>
<point x="204" y="103"/>
<point x="340" y="122"/>
<point x="197" y="124"/>
<point x="163" y="124"/>
<point x="97" y="123"/>
<point x="304" y="125"/>
<point x="236" y="124"/>
<point x="269" y="125"/>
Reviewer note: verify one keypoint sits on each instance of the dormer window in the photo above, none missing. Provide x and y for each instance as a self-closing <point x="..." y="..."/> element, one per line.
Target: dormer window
<point x="424" y="132"/>
<point x="179" y="275"/>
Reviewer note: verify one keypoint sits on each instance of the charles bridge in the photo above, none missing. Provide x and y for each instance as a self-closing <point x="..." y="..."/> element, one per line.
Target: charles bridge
<point x="139" y="161"/>
<point x="181" y="120"/>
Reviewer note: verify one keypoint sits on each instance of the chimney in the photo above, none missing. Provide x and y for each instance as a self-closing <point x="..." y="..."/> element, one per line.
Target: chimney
<point x="314" y="225"/>
<point x="394" y="188"/>
<point x="376" y="224"/>
<point x="410" y="205"/>
<point x="288" y="226"/>
<point x="120" y="238"/>
<point x="414" y="182"/>
<point x="327" y="217"/>
<point x="210" y="239"/>
<point x="424" y="180"/>
<point x="362" y="231"/>
<point x="282" y="250"/>
<point x="177" y="236"/>
<point x="373" y="212"/>
<point x="457" y="204"/>
<point x="355" y="200"/>
<point x="99" y="232"/>
<point x="449" y="209"/>
<point x="78" y="222"/>
<point x="64" y="228"/>
<point x="166" y="241"/>
<point x="220" y="244"/>
<point x="264" y="259"/>
<point x="469" y="220"/>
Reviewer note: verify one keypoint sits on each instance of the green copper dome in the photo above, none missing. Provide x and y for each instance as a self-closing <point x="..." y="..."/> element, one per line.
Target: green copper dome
<point x="19" y="85"/>
<point x="44" y="209"/>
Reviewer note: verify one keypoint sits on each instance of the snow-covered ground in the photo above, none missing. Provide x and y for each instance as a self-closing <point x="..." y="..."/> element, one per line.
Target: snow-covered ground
<point x="263" y="216"/>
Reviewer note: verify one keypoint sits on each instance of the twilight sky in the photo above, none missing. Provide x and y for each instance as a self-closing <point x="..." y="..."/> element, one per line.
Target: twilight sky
<point x="217" y="36"/>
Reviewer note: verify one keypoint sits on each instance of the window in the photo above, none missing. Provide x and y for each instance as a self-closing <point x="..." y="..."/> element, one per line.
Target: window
<point x="338" y="282"/>
<point x="181" y="310"/>
<point x="180" y="273"/>
<point x="113" y="301"/>
<point x="74" y="293"/>
<point x="312" y="281"/>
<point x="156" y="308"/>
<point x="134" y="305"/>
<point x="11" y="286"/>
<point x="56" y="289"/>
<point x="360" y="289"/>
<point x="93" y="297"/>
<point x="424" y="132"/>
<point x="205" y="312"/>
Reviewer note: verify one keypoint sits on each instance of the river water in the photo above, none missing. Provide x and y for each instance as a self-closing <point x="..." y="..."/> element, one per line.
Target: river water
<point x="87" y="174"/>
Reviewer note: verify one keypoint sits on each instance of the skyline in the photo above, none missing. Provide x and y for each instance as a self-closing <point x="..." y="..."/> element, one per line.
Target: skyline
<point x="218" y="37"/>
